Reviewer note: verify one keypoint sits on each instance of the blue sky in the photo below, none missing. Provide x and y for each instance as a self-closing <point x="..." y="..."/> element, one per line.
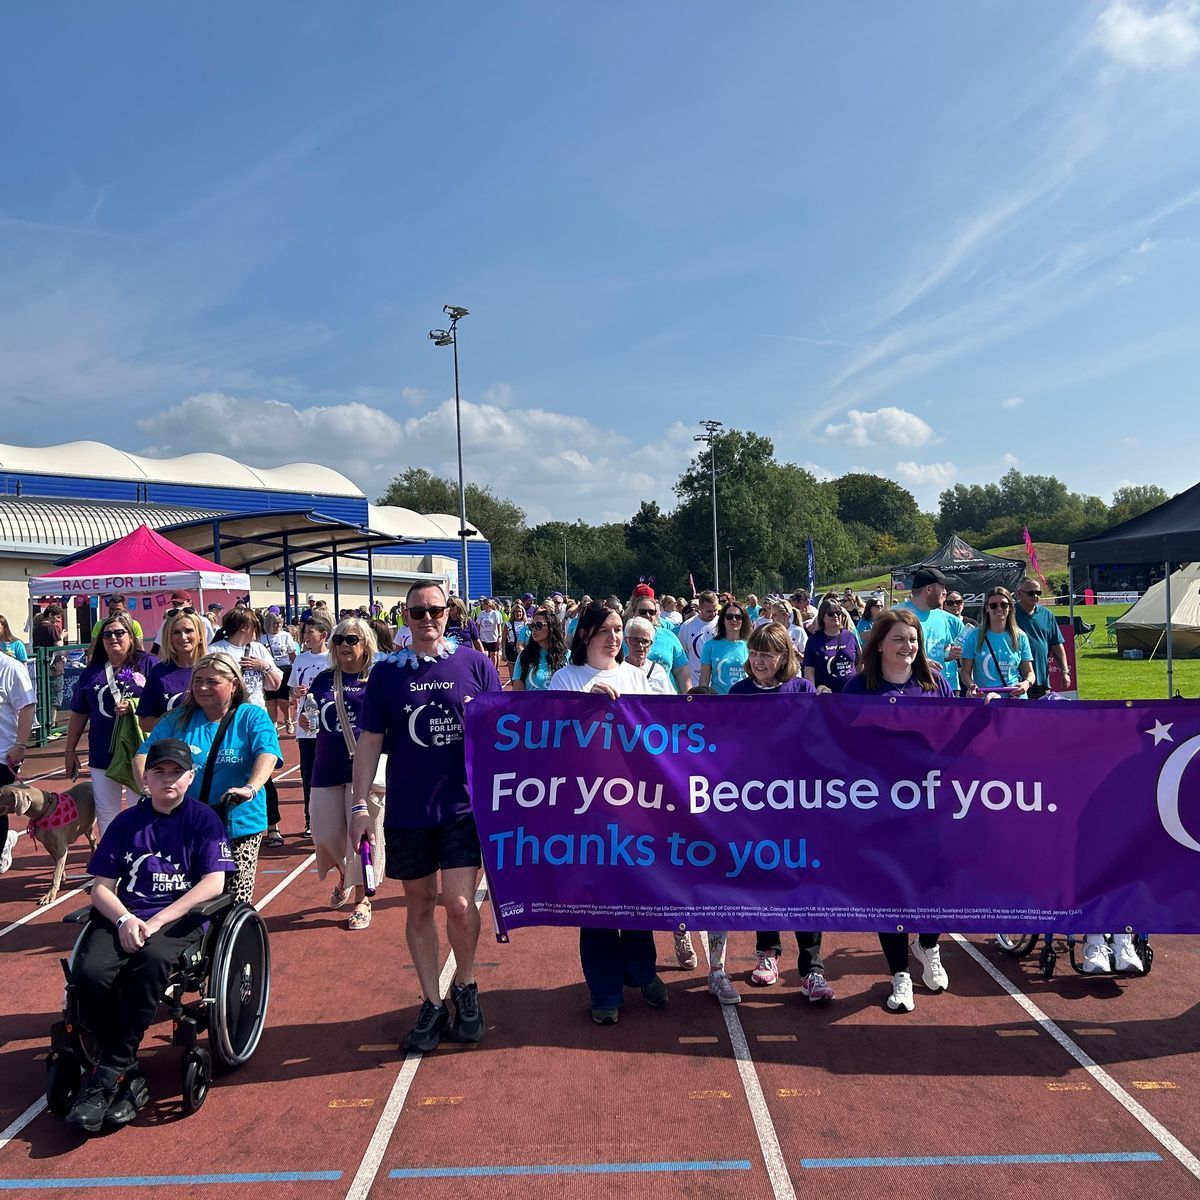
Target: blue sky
<point x="927" y="241"/>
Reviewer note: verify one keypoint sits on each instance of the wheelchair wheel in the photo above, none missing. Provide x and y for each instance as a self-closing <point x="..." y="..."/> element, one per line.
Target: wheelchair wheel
<point x="1147" y="953"/>
<point x="63" y="1077"/>
<point x="240" y="983"/>
<point x="1016" y="944"/>
<point x="1047" y="961"/>
<point x="197" y="1075"/>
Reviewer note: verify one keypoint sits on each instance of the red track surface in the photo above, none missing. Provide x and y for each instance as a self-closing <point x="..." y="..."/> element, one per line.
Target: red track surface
<point x="968" y="1073"/>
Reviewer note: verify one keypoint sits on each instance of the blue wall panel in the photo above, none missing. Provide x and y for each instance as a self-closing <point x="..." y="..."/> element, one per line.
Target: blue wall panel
<point x="479" y="560"/>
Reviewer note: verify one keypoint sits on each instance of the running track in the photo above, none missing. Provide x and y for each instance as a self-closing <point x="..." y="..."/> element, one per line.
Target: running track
<point x="1082" y="1084"/>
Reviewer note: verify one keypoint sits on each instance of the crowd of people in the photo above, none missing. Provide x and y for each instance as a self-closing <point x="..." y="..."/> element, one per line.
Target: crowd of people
<point x="375" y="702"/>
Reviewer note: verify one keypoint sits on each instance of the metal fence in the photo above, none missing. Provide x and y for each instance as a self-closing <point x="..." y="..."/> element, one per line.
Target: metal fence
<point x="55" y="672"/>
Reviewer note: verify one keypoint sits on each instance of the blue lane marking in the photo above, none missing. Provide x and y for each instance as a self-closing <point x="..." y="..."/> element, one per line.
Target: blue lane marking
<point x="986" y="1160"/>
<point x="272" y="871"/>
<point x="735" y="1164"/>
<point x="128" y="1181"/>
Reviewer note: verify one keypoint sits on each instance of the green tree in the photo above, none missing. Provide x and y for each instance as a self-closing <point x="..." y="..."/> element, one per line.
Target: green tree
<point x="881" y="504"/>
<point x="1134" y="499"/>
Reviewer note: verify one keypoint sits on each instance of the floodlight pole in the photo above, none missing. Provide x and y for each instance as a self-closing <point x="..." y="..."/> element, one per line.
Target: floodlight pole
<point x="443" y="337"/>
<point x="710" y="432"/>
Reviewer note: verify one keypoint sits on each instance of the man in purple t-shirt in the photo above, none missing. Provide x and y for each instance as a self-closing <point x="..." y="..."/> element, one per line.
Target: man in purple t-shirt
<point x="413" y="712"/>
<point x="154" y="864"/>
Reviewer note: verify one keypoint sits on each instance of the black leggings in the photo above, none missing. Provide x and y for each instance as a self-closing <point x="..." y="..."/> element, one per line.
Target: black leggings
<point x="308" y="753"/>
<point x="895" y="948"/>
<point x="6" y="777"/>
<point x="807" y="941"/>
<point x="272" y="803"/>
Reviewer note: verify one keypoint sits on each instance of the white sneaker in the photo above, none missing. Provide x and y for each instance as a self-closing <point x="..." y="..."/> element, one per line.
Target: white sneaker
<point x="901" y="999"/>
<point x="6" y="852"/>
<point x="685" y="952"/>
<point x="1127" y="957"/>
<point x="1097" y="958"/>
<point x="933" y="974"/>
<point x="720" y="986"/>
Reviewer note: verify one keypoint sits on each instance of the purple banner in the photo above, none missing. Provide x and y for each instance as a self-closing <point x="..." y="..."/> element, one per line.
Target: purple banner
<point x="837" y="813"/>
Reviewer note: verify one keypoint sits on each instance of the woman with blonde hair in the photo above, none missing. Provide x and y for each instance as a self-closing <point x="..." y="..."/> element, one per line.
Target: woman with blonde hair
<point x="184" y="640"/>
<point x="339" y="692"/>
<point x="217" y="719"/>
<point x="996" y="654"/>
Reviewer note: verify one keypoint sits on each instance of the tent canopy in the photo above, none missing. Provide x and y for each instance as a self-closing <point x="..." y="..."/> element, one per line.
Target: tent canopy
<point x="141" y="561"/>
<point x="972" y="571"/>
<point x="1144" y="626"/>
<point x="1168" y="533"/>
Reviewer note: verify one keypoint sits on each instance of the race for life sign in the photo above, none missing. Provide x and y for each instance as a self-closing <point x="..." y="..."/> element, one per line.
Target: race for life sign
<point x="837" y="812"/>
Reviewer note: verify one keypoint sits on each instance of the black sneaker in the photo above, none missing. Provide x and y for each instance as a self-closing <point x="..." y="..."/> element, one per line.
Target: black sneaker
<point x="132" y="1096"/>
<point x="468" y="1020"/>
<point x="606" y="1016"/>
<point x="99" y="1091"/>
<point x="655" y="993"/>
<point x="432" y="1022"/>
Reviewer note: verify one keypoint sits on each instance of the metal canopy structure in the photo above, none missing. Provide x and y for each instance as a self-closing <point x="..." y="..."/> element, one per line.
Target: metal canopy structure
<point x="276" y="543"/>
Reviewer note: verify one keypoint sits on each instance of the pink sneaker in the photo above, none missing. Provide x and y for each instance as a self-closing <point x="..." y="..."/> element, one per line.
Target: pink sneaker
<point x="767" y="971"/>
<point x="815" y="987"/>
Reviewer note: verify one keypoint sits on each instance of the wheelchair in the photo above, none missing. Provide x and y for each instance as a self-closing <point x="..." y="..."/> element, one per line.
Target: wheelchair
<point x="1021" y="945"/>
<point x="229" y="966"/>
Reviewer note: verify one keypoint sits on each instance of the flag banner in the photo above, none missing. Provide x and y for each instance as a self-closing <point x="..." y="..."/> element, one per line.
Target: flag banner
<point x="1033" y="561"/>
<point x="810" y="554"/>
<point x="837" y="813"/>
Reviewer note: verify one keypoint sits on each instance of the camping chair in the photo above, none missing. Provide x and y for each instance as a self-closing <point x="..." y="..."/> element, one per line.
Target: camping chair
<point x="1083" y="632"/>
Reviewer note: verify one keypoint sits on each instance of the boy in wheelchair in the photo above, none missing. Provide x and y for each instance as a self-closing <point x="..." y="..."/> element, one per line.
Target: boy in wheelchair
<point x="155" y="863"/>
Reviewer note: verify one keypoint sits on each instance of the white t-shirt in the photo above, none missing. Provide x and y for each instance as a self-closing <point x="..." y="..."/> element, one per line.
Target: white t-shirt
<point x="693" y="633"/>
<point x="252" y="678"/>
<point x="16" y="691"/>
<point x="281" y="646"/>
<point x="656" y="677"/>
<point x="622" y="679"/>
<point x="305" y="669"/>
<point x="489" y="625"/>
<point x="675" y="618"/>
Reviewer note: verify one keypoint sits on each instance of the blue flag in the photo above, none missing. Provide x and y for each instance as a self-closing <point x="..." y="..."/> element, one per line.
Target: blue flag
<point x="812" y="567"/>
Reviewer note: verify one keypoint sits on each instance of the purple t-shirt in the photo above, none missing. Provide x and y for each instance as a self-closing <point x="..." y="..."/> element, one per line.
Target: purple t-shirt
<point x="833" y="659"/>
<point x="156" y="857"/>
<point x="165" y="689"/>
<point x="910" y="690"/>
<point x="464" y="635"/>
<point x="94" y="699"/>
<point x="332" y="765"/>
<point x="747" y="687"/>
<point x="419" y="711"/>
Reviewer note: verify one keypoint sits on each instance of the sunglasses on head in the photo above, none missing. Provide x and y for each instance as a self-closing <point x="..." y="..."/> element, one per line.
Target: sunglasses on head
<point x="187" y="612"/>
<point x="419" y="612"/>
<point x="346" y="639"/>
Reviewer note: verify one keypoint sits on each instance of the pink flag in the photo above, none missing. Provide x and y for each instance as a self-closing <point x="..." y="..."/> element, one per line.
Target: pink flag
<point x="1033" y="562"/>
<point x="692" y="581"/>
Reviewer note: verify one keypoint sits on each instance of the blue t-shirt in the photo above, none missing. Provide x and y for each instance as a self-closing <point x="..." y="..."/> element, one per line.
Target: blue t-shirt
<point x="332" y="764"/>
<point x="996" y="663"/>
<point x="941" y="630"/>
<point x="250" y="733"/>
<point x="157" y="857"/>
<point x="667" y="649"/>
<point x="862" y="627"/>
<point x="727" y="660"/>
<point x="538" y="680"/>
<point x="833" y="660"/>
<point x="911" y="690"/>
<point x="165" y="689"/>
<point x="796" y="685"/>
<point x="1043" y="631"/>
<point x="417" y="704"/>
<point x="753" y="611"/>
<point x="95" y="700"/>
<point x="16" y="649"/>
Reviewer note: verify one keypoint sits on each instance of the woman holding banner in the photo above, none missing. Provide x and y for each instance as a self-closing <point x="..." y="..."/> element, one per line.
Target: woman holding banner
<point x="894" y="664"/>
<point x="610" y="957"/>
<point x="996" y="654"/>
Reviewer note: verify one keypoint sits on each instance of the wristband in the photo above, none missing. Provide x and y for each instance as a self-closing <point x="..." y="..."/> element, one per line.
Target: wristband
<point x="122" y="919"/>
<point x="358" y="808"/>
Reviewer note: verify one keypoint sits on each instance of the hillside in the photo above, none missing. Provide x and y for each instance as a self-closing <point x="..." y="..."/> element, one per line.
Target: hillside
<point x="1052" y="557"/>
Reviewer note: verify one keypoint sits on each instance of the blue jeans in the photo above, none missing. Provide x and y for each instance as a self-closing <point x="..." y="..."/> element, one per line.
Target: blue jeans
<point x="613" y="959"/>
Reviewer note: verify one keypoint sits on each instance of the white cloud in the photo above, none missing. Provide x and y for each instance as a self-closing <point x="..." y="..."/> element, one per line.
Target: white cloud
<point x="1137" y="37"/>
<point x="881" y="427"/>
<point x="1009" y="460"/>
<point x="414" y="396"/>
<point x="1145" y="246"/>
<point x="823" y="474"/>
<point x="927" y="474"/>
<point x="1012" y="402"/>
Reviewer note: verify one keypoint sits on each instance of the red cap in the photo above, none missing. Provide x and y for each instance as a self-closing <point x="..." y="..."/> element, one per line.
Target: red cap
<point x="644" y="589"/>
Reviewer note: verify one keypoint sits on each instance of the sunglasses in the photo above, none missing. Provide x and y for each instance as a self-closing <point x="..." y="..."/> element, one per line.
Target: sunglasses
<point x="538" y="625"/>
<point x="733" y="616"/>
<point x="187" y="612"/>
<point x="953" y="603"/>
<point x="346" y="639"/>
<point x="419" y="612"/>
<point x="114" y="635"/>
<point x="1027" y="592"/>
<point x="647" y="612"/>
<point x="998" y="605"/>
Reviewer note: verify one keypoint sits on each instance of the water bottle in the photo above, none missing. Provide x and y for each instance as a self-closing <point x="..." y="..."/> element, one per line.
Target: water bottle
<point x="310" y="713"/>
<point x="364" y="853"/>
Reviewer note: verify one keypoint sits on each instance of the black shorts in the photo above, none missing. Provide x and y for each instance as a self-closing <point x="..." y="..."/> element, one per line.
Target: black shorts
<point x="490" y="647"/>
<point x="415" y="853"/>
<point x="282" y="692"/>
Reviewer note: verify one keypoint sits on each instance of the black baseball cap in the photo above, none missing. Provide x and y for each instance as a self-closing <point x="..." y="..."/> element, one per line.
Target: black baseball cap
<point x="169" y="750"/>
<point x="927" y="575"/>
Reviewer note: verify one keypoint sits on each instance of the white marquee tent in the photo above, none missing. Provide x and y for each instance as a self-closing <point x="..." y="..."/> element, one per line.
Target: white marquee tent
<point x="1144" y="626"/>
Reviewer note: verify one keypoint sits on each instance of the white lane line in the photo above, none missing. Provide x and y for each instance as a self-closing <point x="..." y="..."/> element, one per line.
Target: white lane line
<point x="11" y="1130"/>
<point x="37" y="912"/>
<point x="261" y="904"/>
<point x="764" y="1126"/>
<point x="1150" y="1123"/>
<point x="364" y="1177"/>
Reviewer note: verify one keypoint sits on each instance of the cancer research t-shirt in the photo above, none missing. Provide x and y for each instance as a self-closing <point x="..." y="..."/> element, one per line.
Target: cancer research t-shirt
<point x="833" y="659"/>
<point x="941" y="630"/>
<point x="538" y="680"/>
<point x="726" y="660"/>
<point x="693" y="633"/>
<point x="667" y="651"/>
<point x="165" y="689"/>
<point x="796" y="685"/>
<point x="417" y="704"/>
<point x="992" y="650"/>
<point x="911" y="690"/>
<point x="157" y="857"/>
<point x="332" y="764"/>
<point x="95" y="700"/>
<point x="250" y="733"/>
